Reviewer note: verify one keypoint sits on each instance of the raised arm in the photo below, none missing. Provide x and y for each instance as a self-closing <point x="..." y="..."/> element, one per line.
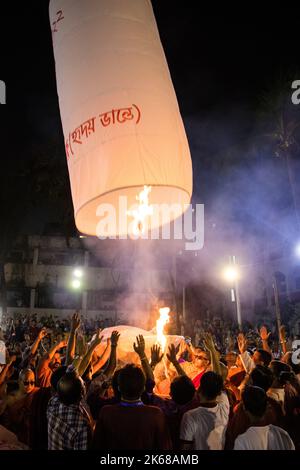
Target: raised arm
<point x="47" y="358"/>
<point x="101" y="360"/>
<point x="156" y="356"/>
<point x="139" y="348"/>
<point x="109" y="370"/>
<point x="5" y="369"/>
<point x="264" y="336"/>
<point x="37" y="341"/>
<point x="209" y="344"/>
<point x="247" y="361"/>
<point x="88" y="356"/>
<point x="75" y="323"/>
<point x="282" y="338"/>
<point x="172" y="357"/>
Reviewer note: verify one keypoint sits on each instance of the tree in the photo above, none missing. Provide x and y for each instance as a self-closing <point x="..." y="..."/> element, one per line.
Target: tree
<point x="280" y="123"/>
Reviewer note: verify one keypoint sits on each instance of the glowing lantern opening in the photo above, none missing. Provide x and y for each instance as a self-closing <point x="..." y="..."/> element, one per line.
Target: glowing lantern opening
<point x="142" y="212"/>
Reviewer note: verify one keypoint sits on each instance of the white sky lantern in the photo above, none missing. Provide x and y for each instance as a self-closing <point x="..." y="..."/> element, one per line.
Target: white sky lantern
<point x="121" y="122"/>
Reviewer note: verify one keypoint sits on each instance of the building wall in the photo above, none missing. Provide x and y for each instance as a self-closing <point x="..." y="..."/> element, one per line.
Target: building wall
<point x="40" y="270"/>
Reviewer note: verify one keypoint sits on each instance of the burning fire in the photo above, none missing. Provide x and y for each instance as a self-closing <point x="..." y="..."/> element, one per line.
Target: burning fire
<point x="143" y="210"/>
<point x="163" y="319"/>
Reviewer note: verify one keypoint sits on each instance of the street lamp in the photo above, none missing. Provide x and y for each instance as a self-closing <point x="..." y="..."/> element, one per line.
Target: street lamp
<point x="231" y="275"/>
<point x="77" y="273"/>
<point x="76" y="284"/>
<point x="297" y="250"/>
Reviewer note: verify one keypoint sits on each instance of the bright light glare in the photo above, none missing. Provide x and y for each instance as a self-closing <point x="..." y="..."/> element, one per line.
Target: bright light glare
<point x="297" y="250"/>
<point x="231" y="273"/>
<point x="76" y="284"/>
<point x="77" y="273"/>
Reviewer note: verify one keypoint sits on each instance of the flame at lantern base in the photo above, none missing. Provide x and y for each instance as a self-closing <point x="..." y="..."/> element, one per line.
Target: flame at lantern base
<point x="141" y="213"/>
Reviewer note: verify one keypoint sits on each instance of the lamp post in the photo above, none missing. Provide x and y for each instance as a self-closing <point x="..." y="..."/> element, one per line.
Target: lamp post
<point x="231" y="274"/>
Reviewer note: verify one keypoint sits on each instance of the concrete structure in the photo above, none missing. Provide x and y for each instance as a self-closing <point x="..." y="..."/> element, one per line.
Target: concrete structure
<point x="40" y="270"/>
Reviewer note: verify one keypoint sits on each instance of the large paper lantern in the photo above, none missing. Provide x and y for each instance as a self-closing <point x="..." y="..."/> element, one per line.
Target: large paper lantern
<point x="119" y="112"/>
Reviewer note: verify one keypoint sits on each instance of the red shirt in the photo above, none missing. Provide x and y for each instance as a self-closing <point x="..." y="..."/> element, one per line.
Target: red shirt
<point x="122" y="427"/>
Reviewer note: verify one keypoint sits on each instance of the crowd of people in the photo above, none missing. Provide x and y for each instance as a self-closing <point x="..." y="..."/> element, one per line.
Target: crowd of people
<point x="63" y="388"/>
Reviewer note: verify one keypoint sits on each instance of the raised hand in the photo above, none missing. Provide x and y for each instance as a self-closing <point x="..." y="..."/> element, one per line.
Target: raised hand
<point x="242" y="343"/>
<point x="75" y="322"/>
<point x="282" y="333"/>
<point x="139" y="346"/>
<point x="263" y="333"/>
<point x="114" y="338"/>
<point x="171" y="355"/>
<point x="62" y="344"/>
<point x="81" y="346"/>
<point x="156" y="356"/>
<point x="208" y="341"/>
<point x="98" y="338"/>
<point x="43" y="333"/>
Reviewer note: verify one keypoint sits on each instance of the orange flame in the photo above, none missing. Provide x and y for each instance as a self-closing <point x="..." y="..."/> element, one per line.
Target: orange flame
<point x="143" y="210"/>
<point x="160" y="324"/>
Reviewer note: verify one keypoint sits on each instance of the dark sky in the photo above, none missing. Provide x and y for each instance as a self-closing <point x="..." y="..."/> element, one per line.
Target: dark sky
<point x="220" y="64"/>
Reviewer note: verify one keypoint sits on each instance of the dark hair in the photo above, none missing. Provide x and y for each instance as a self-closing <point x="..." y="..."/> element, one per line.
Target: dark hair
<point x="277" y="367"/>
<point x="262" y="376"/>
<point x="182" y="390"/>
<point x="57" y="375"/>
<point x="25" y="371"/>
<point x="70" y="389"/>
<point x="295" y="367"/>
<point x="266" y="357"/>
<point x="211" y="385"/>
<point x="288" y="377"/>
<point x="131" y="381"/>
<point x="115" y="384"/>
<point x="255" y="400"/>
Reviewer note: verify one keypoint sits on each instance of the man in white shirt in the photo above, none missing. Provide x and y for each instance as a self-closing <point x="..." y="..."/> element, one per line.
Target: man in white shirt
<point x="204" y="428"/>
<point x="259" y="437"/>
<point x="260" y="356"/>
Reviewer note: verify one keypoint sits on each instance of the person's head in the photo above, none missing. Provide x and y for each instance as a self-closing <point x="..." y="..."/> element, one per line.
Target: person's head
<point x="255" y="402"/>
<point x="57" y="374"/>
<point x="201" y="358"/>
<point x="210" y="387"/>
<point x="17" y="348"/>
<point x="26" y="381"/>
<point x="277" y="367"/>
<point x="56" y="362"/>
<point x="182" y="390"/>
<point x="70" y="389"/>
<point x="131" y="382"/>
<point x="287" y="358"/>
<point x="231" y="358"/>
<point x="262" y="377"/>
<point x="115" y="383"/>
<point x="262" y="357"/>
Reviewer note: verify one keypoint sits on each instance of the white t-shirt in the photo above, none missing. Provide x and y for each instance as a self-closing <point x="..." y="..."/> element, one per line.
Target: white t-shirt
<point x="247" y="362"/>
<point x="264" y="438"/>
<point x="206" y="427"/>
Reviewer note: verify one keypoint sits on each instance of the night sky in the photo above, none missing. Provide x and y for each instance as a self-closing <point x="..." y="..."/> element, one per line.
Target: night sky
<point x="220" y="66"/>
